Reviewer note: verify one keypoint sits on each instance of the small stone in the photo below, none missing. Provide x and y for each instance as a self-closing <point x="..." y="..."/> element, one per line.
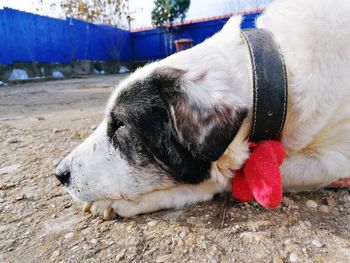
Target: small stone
<point x="10" y="169"/>
<point x="168" y="242"/>
<point x="189" y="241"/>
<point x="331" y="201"/>
<point x="347" y="198"/>
<point x="163" y="258"/>
<point x="183" y="234"/>
<point x="151" y="251"/>
<point x="94" y="241"/>
<point x="180" y="243"/>
<point x="152" y="223"/>
<point x="131" y="257"/>
<point x="317" y="243"/>
<point x="308" y="223"/>
<point x="74" y="248"/>
<point x="55" y="254"/>
<point x="12" y="140"/>
<point x="311" y="204"/>
<point x="129" y="228"/>
<point x="293" y="257"/>
<point x="56" y="130"/>
<point x="324" y="209"/>
<point x="86" y="231"/>
<point x="68" y="235"/>
<point x="120" y="255"/>
<point x="277" y="259"/>
<point x="93" y="127"/>
<point x="41" y="118"/>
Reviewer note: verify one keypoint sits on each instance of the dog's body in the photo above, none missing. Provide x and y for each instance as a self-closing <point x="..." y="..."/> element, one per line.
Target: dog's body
<point x="176" y="129"/>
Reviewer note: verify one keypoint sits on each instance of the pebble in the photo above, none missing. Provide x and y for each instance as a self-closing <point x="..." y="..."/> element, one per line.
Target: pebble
<point x="168" y="242"/>
<point x="163" y="258"/>
<point x="120" y="255"/>
<point x="10" y="169"/>
<point x="151" y="251"/>
<point x="153" y="223"/>
<point x="41" y="118"/>
<point x="129" y="228"/>
<point x="277" y="259"/>
<point x="308" y="223"/>
<point x="131" y="257"/>
<point x="12" y="140"/>
<point x="94" y="241"/>
<point x="183" y="234"/>
<point x="347" y="198"/>
<point x="190" y="241"/>
<point x="293" y="257"/>
<point x="68" y="235"/>
<point x="311" y="204"/>
<point x="331" y="201"/>
<point x="56" y="253"/>
<point x="317" y="243"/>
<point x="74" y="248"/>
<point x="324" y="209"/>
<point x="93" y="127"/>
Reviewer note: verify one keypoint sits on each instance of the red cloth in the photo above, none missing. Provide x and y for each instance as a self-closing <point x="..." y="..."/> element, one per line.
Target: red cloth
<point x="260" y="177"/>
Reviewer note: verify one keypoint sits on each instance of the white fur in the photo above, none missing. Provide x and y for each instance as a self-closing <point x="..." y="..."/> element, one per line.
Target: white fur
<point x="314" y="36"/>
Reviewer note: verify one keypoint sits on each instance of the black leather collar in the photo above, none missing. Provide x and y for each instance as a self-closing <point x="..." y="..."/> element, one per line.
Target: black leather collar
<point x="270" y="85"/>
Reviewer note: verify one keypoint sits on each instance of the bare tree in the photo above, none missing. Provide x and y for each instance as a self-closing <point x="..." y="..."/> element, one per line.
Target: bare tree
<point x="109" y="12"/>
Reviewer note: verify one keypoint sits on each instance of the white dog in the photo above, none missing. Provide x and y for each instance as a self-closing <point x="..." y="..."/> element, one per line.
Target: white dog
<point x="176" y="129"/>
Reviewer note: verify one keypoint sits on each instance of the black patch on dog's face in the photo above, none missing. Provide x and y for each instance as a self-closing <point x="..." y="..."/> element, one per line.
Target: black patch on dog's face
<point x="142" y="128"/>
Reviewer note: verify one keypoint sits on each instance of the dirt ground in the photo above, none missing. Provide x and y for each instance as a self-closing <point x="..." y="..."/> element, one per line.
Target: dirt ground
<point x="41" y="122"/>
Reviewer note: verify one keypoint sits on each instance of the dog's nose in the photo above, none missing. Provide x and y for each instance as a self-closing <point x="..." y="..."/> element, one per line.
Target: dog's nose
<point x="63" y="176"/>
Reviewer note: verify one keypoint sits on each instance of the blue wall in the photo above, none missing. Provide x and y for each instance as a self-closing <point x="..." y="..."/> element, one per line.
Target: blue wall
<point x="155" y="44"/>
<point x="26" y="37"/>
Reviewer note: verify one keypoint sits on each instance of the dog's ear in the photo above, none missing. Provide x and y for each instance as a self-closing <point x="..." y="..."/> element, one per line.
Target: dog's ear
<point x="204" y="125"/>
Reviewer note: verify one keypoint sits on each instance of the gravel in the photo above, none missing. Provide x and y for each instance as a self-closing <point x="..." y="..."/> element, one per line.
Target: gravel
<point x="11" y="169"/>
<point x="311" y="204"/>
<point x="317" y="243"/>
<point x="12" y="140"/>
<point x="41" y="223"/>
<point x="293" y="257"/>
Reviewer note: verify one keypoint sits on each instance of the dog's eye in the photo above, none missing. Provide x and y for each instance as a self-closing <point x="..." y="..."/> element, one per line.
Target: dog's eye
<point x="113" y="127"/>
<point x="119" y="125"/>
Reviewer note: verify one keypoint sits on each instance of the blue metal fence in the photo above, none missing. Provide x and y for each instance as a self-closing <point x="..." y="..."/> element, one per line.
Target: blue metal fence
<point x="26" y="37"/>
<point x="155" y="44"/>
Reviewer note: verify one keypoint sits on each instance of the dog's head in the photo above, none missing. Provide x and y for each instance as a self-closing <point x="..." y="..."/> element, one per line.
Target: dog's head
<point x="162" y="128"/>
